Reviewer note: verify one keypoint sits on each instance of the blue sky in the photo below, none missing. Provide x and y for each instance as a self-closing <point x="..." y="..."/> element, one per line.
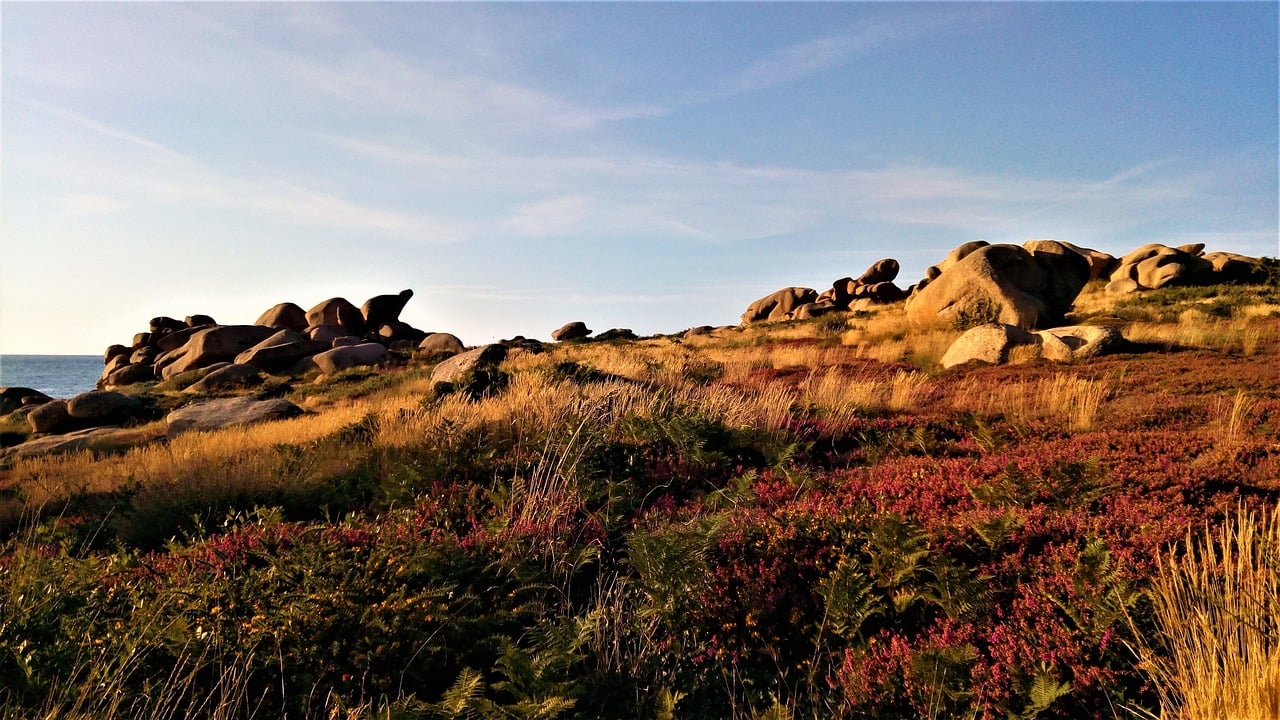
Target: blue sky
<point x="652" y="166"/>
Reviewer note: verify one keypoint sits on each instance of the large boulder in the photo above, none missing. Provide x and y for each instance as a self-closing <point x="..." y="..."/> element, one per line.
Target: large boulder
<point x="380" y="310"/>
<point x="281" y="351"/>
<point x="116" y="351"/>
<point x="176" y="339"/>
<point x="285" y="316"/>
<point x="438" y="344"/>
<point x="102" y="407"/>
<point x="575" y="330"/>
<point x="199" y="320"/>
<point x="13" y="398"/>
<point x="881" y="271"/>
<point x="341" y="358"/>
<point x="455" y="367"/>
<point x="228" y="412"/>
<point x="1230" y="267"/>
<point x="131" y="374"/>
<point x="395" y="331"/>
<point x="231" y="376"/>
<point x="1002" y="283"/>
<point x="1154" y="266"/>
<point x="165" y="325"/>
<point x="211" y="345"/>
<point x="988" y="344"/>
<point x="778" y="305"/>
<point x="49" y="417"/>
<point x="337" y="311"/>
<point x="1100" y="264"/>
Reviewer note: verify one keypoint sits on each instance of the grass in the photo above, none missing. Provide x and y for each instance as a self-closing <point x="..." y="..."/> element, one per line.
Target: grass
<point x="1216" y="601"/>
<point x="805" y="519"/>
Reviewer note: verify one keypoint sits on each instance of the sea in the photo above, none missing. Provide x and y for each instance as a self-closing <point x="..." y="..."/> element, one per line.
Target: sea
<point x="58" y="376"/>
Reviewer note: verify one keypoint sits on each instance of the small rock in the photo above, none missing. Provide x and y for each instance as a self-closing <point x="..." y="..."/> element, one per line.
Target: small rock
<point x="456" y="366"/>
<point x="437" y="344"/>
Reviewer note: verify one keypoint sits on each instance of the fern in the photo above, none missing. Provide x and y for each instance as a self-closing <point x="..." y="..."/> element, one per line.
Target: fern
<point x="850" y="599"/>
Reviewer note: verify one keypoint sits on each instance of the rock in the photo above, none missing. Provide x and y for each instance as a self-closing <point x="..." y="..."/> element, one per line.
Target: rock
<point x="1123" y="286"/>
<point x="1230" y="267"/>
<point x="165" y="325"/>
<point x="70" y="442"/>
<point x="384" y="309"/>
<point x="437" y="344"/>
<point x="458" y="365"/>
<point x="575" y="330"/>
<point x="1193" y="249"/>
<point x="281" y="351"/>
<point x="524" y="344"/>
<point x="341" y="358"/>
<point x="1100" y="264"/>
<point x="699" y="330"/>
<point x="337" y="311"/>
<point x="327" y="334"/>
<point x="143" y="356"/>
<point x="49" y="417"/>
<point x="1003" y="283"/>
<point x="130" y="375"/>
<point x="141" y="340"/>
<point x="616" y="334"/>
<point x="175" y="340"/>
<point x="395" y="331"/>
<point x="228" y="412"/>
<point x="232" y="376"/>
<point x="884" y="292"/>
<point x="1082" y="341"/>
<point x="216" y="344"/>
<point x="102" y="407"/>
<point x="12" y="398"/>
<point x="988" y="344"/>
<point x="778" y="305"/>
<point x="810" y="310"/>
<point x="346" y="341"/>
<point x="882" y="271"/>
<point x="116" y="351"/>
<point x="198" y="320"/>
<point x="285" y="316"/>
<point x="1154" y="266"/>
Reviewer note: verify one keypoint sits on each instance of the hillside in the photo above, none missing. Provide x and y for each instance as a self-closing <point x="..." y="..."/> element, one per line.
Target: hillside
<point x="809" y="519"/>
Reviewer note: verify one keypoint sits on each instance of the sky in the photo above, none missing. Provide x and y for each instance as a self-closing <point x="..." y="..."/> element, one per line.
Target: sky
<point x="652" y="166"/>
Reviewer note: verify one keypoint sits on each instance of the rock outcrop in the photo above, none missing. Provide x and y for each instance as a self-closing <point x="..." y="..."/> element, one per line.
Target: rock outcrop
<point x="228" y="412"/>
<point x="874" y="286"/>
<point x="279" y="341"/>
<point x="993" y="343"/>
<point x="1002" y="283"/>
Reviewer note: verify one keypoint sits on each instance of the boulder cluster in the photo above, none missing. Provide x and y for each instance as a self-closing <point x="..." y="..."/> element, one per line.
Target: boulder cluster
<point x="1014" y="295"/>
<point x="330" y="337"/>
<point x="875" y="286"/>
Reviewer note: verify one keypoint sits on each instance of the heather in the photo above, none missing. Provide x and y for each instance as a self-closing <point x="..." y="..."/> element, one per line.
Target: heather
<point x="805" y="519"/>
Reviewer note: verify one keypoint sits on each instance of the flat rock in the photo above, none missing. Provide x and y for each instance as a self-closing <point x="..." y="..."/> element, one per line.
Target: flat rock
<point x="1083" y="341"/>
<point x="575" y="330"/>
<point x="458" y="365"/>
<point x="341" y="358"/>
<point x="228" y="412"/>
<point x="280" y="351"/>
<point x="72" y="441"/>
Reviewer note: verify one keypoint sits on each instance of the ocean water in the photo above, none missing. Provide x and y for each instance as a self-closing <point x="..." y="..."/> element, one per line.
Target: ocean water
<point x="59" y="376"/>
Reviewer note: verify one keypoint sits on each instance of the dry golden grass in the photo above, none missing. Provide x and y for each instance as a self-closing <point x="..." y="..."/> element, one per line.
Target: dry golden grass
<point x="1074" y="400"/>
<point x="1197" y="330"/>
<point x="1233" y="416"/>
<point x="1216" y="605"/>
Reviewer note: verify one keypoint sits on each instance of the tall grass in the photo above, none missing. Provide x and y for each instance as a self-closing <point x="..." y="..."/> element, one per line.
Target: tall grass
<point x="1075" y="401"/>
<point x="1217" y="607"/>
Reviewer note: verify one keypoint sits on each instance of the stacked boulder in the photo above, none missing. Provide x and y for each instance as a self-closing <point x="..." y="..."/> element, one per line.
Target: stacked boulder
<point x="875" y="286"/>
<point x="1029" y="286"/>
<point x="329" y="337"/>
<point x="1154" y="266"/>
